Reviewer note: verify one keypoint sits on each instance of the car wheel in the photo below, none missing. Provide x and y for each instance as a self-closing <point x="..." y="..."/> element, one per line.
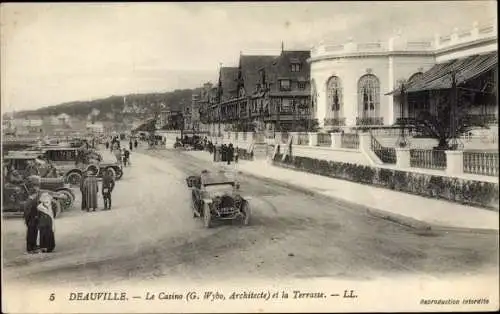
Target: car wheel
<point x="112" y="171"/>
<point x="93" y="169"/>
<point x="68" y="200"/>
<point x="119" y="173"/>
<point x="74" y="178"/>
<point x="245" y="210"/>
<point x="207" y="217"/>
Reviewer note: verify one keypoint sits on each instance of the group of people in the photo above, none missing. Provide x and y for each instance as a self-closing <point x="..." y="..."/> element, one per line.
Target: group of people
<point x="225" y="153"/>
<point x="89" y="186"/>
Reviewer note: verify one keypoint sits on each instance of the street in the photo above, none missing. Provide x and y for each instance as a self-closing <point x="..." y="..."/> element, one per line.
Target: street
<point x="150" y="234"/>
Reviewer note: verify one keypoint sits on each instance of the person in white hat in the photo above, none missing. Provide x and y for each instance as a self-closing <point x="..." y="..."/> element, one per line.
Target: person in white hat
<point x="46" y="223"/>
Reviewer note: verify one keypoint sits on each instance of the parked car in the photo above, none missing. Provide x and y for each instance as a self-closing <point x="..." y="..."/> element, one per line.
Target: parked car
<point x="16" y="198"/>
<point x="20" y="160"/>
<point x="215" y="196"/>
<point x="65" y="160"/>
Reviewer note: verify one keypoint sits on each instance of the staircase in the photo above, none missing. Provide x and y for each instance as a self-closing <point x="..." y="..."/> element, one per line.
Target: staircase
<point x="260" y="151"/>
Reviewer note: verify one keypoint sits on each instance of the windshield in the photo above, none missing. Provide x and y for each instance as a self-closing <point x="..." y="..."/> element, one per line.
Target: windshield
<point x="219" y="188"/>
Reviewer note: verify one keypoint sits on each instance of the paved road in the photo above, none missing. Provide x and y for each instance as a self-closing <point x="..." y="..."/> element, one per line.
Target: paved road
<point x="150" y="234"/>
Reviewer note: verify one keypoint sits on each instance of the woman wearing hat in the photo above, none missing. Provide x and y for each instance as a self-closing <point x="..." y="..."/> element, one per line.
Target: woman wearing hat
<point x="46" y="223"/>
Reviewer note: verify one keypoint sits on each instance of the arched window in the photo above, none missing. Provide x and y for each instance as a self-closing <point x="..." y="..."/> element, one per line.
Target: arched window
<point x="334" y="93"/>
<point x="369" y="95"/>
<point x="415" y="77"/>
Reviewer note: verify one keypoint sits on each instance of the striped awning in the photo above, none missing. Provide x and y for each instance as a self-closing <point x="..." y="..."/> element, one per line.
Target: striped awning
<point x="439" y="76"/>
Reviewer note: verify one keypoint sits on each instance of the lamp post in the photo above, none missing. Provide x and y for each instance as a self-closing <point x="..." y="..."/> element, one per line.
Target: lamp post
<point x="401" y="141"/>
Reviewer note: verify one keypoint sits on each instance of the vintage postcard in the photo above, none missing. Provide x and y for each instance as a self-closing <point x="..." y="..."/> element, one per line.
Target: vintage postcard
<point x="240" y="157"/>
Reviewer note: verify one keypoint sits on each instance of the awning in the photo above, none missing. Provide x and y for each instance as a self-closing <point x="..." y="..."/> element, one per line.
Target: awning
<point x="439" y="76"/>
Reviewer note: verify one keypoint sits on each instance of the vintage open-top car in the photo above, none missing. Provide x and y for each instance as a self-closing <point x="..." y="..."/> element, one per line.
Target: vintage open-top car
<point x="215" y="195"/>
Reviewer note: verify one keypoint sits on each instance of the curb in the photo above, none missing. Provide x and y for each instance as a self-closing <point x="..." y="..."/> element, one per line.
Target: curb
<point x="399" y="219"/>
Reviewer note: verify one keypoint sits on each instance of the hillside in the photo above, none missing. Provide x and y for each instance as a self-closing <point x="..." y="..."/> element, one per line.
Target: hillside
<point x="115" y="108"/>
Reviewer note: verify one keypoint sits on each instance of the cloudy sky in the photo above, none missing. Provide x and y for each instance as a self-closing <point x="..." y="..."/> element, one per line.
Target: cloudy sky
<point x="53" y="53"/>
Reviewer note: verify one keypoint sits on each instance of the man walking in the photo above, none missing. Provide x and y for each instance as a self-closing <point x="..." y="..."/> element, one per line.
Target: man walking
<point x="108" y="184"/>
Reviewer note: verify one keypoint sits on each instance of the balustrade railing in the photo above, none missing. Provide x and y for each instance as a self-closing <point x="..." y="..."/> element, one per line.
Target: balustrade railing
<point x="428" y="158"/>
<point x="244" y="136"/>
<point x="350" y="140"/>
<point x="482" y="118"/>
<point x="482" y="163"/>
<point x="236" y="136"/>
<point x="334" y="121"/>
<point x="324" y="139"/>
<point x="302" y="139"/>
<point x="369" y="120"/>
<point x="386" y="154"/>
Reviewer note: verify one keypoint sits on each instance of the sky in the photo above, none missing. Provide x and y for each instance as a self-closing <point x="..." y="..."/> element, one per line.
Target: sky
<point x="59" y="52"/>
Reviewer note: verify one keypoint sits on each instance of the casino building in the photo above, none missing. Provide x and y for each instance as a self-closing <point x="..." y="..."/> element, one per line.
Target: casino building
<point x="356" y="85"/>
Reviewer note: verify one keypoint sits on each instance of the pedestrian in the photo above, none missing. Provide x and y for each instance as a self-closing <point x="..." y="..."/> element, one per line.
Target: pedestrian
<point x="230" y="153"/>
<point x="89" y="188"/>
<point x="31" y="220"/>
<point x="46" y="224"/>
<point x="223" y="151"/>
<point x="130" y="145"/>
<point x="108" y="184"/>
<point x="236" y="154"/>
<point x="135" y="143"/>
<point x="107" y="144"/>
<point x="126" y="157"/>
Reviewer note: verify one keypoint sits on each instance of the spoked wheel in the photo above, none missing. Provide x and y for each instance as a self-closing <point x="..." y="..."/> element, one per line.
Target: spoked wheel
<point x="112" y="172"/>
<point x="245" y="220"/>
<point x="68" y="200"/>
<point x="119" y="174"/>
<point x="74" y="178"/>
<point x="207" y="217"/>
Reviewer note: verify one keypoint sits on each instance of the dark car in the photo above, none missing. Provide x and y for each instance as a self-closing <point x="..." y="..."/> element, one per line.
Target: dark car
<point x="215" y="196"/>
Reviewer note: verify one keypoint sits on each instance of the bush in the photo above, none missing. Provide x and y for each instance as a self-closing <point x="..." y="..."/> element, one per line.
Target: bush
<point x="468" y="192"/>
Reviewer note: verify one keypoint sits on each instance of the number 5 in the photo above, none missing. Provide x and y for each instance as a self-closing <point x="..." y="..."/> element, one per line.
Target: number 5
<point x="52" y="297"/>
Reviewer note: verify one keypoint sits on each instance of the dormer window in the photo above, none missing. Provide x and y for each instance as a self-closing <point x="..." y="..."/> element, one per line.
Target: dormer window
<point x="285" y="84"/>
<point x="295" y="67"/>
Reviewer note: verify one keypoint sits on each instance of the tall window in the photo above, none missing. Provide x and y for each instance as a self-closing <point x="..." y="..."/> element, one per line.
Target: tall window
<point x="301" y="85"/>
<point x="369" y="95"/>
<point x="334" y="92"/>
<point x="295" y="67"/>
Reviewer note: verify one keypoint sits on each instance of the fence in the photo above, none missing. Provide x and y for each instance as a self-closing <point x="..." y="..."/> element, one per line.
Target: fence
<point x="428" y="158"/>
<point x="386" y="154"/>
<point x="324" y="139"/>
<point x="482" y="163"/>
<point x="350" y="140"/>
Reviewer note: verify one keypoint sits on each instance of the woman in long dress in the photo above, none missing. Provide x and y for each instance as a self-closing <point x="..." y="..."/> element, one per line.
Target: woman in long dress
<point x="89" y="189"/>
<point x="46" y="224"/>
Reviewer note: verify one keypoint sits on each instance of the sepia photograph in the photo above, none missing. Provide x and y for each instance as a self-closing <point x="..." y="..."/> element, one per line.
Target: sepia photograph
<point x="244" y="157"/>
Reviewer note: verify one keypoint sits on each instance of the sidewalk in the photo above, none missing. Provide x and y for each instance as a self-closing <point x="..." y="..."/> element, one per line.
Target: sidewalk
<point x="412" y="210"/>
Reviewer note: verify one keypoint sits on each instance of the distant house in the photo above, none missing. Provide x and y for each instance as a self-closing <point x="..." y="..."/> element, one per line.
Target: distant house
<point x="95" y="128"/>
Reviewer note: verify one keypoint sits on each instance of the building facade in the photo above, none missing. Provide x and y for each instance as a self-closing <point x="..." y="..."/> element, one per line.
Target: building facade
<point x="262" y="94"/>
<point x="352" y="82"/>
